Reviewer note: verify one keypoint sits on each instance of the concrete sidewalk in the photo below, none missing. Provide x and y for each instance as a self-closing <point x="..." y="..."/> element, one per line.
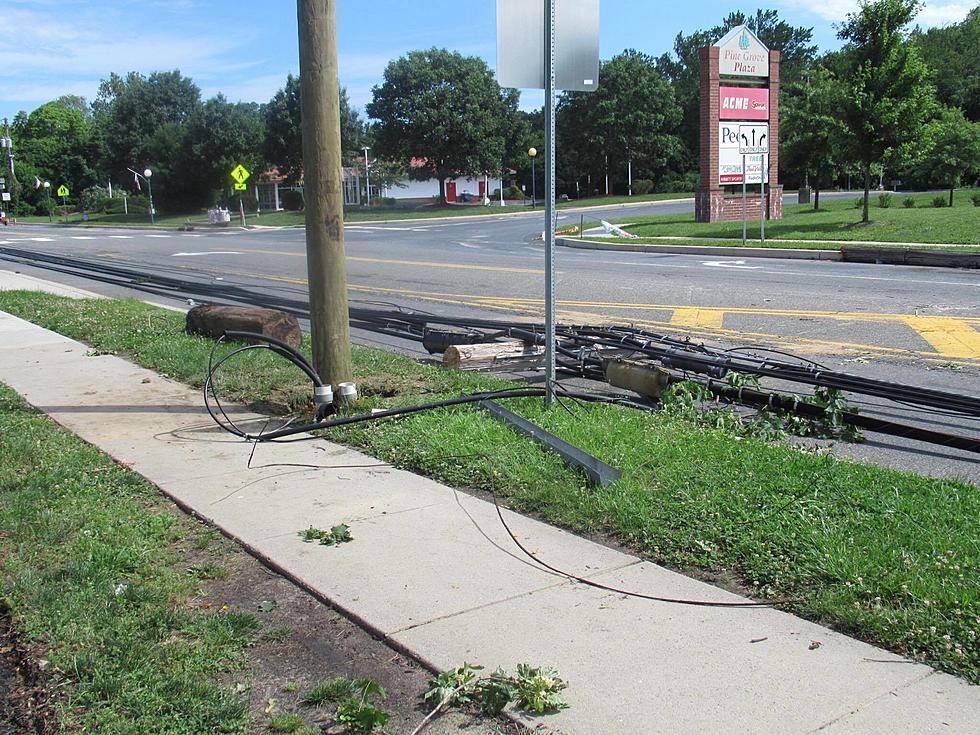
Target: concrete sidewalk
<point x="432" y="570"/>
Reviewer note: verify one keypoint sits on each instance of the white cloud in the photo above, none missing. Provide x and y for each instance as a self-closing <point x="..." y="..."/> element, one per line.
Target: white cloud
<point x="938" y="12"/>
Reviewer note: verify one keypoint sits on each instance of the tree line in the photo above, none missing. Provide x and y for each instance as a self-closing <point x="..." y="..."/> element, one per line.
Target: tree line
<point x="894" y="100"/>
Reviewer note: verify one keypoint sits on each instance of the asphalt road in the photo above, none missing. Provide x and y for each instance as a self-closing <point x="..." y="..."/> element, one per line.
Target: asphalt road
<point x="915" y="325"/>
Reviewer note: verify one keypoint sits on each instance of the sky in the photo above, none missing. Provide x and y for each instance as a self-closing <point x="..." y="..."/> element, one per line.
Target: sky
<point x="245" y="49"/>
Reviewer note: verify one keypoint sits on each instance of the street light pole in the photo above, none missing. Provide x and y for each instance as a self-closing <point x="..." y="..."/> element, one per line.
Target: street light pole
<point x="47" y="198"/>
<point x="367" y="175"/>
<point x="149" y="188"/>
<point x="533" y="152"/>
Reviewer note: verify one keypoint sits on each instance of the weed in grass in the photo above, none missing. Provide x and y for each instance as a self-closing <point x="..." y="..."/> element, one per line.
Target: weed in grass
<point x="290" y="686"/>
<point x="286" y="722"/>
<point x="359" y="713"/>
<point x="884" y="200"/>
<point x="268" y="606"/>
<point x="205" y="539"/>
<point x="339" y="534"/>
<point x="908" y="202"/>
<point x="208" y="571"/>
<point x="976" y="199"/>
<point x="332" y="691"/>
<point x="278" y="634"/>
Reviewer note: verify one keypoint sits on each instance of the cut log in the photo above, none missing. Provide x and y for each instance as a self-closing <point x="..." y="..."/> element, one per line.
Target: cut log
<point x="213" y="321"/>
<point x="463" y="356"/>
<point x="647" y="380"/>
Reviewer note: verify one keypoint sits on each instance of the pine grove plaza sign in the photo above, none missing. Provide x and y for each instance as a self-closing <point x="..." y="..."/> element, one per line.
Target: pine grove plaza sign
<point x="742" y="54"/>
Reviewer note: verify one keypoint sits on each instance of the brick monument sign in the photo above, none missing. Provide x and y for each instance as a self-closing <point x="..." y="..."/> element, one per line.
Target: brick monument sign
<point x="739" y="86"/>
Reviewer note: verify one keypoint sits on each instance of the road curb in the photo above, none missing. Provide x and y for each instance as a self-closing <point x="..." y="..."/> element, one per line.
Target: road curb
<point x="910" y="256"/>
<point x="783" y="253"/>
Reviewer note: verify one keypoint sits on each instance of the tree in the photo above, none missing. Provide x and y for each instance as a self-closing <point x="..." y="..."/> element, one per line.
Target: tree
<point x="950" y="149"/>
<point x="811" y="128"/>
<point x="632" y="117"/>
<point x="951" y="53"/>
<point x="283" y="146"/>
<point x="888" y="92"/>
<point x="683" y="68"/>
<point x="139" y="119"/>
<point x="217" y="137"/>
<point x="54" y="143"/>
<point x="445" y="112"/>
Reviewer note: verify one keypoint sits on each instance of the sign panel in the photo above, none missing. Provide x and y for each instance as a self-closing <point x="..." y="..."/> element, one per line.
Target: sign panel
<point x="742" y="54"/>
<point x="730" y="159"/>
<point x="753" y="139"/>
<point x="240" y="174"/>
<point x="241" y="186"/>
<point x="743" y="103"/>
<point x="5" y="196"/>
<point x="520" y="44"/>
<point x="63" y="191"/>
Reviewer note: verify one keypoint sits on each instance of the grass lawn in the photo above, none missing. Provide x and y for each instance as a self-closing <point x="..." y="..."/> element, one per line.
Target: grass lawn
<point x="890" y="557"/>
<point x="94" y="585"/>
<point x="838" y="219"/>
<point x="353" y="214"/>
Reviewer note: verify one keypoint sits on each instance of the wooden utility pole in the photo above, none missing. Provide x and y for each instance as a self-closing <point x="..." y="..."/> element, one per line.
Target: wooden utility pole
<point x="323" y="189"/>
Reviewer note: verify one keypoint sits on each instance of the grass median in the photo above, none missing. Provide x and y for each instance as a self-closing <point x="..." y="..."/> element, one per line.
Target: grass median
<point x="890" y="557"/>
<point x="837" y="219"/>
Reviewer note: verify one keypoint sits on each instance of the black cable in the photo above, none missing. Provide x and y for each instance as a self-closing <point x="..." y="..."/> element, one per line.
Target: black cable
<point x="615" y="590"/>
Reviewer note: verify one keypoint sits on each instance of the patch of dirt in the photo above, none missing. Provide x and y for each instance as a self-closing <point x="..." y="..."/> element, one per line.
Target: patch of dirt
<point x="23" y="704"/>
<point x="303" y="642"/>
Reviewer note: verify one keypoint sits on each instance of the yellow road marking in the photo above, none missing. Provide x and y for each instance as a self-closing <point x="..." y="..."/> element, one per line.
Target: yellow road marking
<point x="950" y="336"/>
<point x="707" y="318"/>
<point x="419" y="263"/>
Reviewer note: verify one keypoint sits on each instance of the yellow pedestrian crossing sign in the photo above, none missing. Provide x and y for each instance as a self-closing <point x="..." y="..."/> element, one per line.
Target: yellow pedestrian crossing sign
<point x="63" y="191"/>
<point x="240" y="174"/>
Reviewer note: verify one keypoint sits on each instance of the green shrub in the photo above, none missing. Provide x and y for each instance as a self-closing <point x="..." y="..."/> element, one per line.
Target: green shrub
<point x="908" y="202"/>
<point x="96" y="199"/>
<point x="642" y="186"/>
<point x="939" y="202"/>
<point x="976" y="199"/>
<point x="859" y="203"/>
<point x="292" y="200"/>
<point x="679" y="183"/>
<point x="885" y="200"/>
<point x="514" y="192"/>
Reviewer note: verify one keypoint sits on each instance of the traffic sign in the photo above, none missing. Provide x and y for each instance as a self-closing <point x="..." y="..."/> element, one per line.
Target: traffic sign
<point x="240" y="174"/>
<point x="5" y="196"/>
<point x="753" y="139"/>
<point x="241" y="186"/>
<point x="63" y="191"/>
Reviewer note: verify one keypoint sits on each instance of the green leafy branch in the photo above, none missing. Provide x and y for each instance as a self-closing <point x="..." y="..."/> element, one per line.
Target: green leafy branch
<point x="532" y="689"/>
<point x="337" y="535"/>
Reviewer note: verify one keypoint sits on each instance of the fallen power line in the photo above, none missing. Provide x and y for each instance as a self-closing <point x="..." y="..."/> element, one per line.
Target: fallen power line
<point x="635" y="359"/>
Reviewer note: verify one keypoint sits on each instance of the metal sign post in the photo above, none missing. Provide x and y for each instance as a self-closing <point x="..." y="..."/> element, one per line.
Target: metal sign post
<point x="753" y="140"/>
<point x="549" y="204"/>
<point x="762" y="202"/>
<point x="745" y="206"/>
<point x="547" y="45"/>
